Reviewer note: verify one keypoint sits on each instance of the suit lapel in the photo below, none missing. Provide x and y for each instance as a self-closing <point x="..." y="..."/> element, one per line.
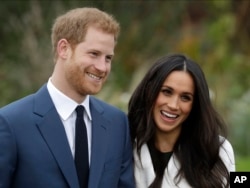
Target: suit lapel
<point x="52" y="130"/>
<point x="99" y="143"/>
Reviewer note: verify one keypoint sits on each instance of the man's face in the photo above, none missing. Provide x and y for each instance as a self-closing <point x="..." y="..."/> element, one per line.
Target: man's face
<point x="90" y="63"/>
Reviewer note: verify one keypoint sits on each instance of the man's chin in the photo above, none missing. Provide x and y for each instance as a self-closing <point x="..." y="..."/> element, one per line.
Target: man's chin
<point x="94" y="91"/>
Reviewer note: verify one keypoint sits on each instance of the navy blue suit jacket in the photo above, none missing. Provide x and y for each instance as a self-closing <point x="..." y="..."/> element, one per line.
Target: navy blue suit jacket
<point x="34" y="151"/>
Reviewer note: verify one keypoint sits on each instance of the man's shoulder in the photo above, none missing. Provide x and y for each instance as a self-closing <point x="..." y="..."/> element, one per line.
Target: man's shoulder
<point x="22" y="102"/>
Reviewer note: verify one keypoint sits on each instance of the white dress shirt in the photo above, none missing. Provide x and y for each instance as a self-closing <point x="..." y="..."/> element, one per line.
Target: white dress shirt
<point x="65" y="107"/>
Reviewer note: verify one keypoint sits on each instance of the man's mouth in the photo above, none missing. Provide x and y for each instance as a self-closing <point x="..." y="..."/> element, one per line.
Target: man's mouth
<point x="98" y="78"/>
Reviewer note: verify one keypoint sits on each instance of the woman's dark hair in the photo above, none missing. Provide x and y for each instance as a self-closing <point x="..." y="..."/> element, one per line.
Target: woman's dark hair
<point x="197" y="147"/>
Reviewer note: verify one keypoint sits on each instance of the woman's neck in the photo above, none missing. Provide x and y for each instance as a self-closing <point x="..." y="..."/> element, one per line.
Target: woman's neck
<point x="165" y="142"/>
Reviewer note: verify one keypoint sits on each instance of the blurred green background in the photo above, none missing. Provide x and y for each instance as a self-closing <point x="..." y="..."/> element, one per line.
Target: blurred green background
<point x="215" y="33"/>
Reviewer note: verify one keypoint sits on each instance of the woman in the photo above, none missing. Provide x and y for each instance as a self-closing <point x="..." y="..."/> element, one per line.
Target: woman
<point x="175" y="130"/>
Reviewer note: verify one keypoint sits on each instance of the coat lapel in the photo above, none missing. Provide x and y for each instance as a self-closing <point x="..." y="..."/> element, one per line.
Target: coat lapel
<point x="144" y="171"/>
<point x="99" y="143"/>
<point x="52" y="130"/>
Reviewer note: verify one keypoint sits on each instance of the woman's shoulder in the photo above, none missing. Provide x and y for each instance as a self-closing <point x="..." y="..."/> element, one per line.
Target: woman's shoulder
<point x="227" y="154"/>
<point x="226" y="145"/>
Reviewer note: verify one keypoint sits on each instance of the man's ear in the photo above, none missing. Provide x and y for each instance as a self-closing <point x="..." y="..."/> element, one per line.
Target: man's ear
<point x="63" y="49"/>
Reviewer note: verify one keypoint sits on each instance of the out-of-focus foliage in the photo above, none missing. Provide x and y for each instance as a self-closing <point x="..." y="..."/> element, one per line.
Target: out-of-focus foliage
<point x="215" y="33"/>
<point x="239" y="117"/>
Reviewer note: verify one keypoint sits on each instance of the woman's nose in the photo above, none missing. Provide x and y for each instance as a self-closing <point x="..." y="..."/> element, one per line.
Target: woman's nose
<point x="173" y="103"/>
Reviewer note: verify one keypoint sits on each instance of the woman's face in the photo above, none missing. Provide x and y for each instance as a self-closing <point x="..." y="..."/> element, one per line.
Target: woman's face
<point x="174" y="103"/>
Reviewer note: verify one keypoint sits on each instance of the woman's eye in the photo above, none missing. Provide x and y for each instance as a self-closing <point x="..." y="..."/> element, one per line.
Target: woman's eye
<point x="166" y="91"/>
<point x="186" y="98"/>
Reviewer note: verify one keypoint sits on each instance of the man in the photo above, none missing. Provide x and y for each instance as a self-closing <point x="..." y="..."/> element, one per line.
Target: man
<point x="37" y="133"/>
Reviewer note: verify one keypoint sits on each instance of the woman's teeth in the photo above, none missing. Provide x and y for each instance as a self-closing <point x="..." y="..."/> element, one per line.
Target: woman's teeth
<point x="168" y="115"/>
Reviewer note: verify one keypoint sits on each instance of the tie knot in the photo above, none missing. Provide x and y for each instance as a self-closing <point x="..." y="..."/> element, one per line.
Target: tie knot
<point x="79" y="110"/>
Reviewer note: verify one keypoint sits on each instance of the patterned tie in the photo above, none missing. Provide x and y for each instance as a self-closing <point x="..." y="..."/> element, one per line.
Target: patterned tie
<point x="81" y="149"/>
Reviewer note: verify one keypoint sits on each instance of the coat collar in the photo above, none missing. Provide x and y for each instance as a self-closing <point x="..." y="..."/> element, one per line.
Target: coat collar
<point x="144" y="170"/>
<point x="99" y="141"/>
<point x="52" y="130"/>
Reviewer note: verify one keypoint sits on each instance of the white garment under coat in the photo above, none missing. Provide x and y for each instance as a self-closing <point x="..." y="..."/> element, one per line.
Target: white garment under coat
<point x="144" y="170"/>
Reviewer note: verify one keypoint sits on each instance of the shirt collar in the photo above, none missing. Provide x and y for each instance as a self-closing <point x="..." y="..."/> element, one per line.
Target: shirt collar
<point x="64" y="105"/>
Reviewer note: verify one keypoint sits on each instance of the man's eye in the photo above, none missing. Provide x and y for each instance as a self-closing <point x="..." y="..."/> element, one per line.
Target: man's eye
<point x="94" y="53"/>
<point x="108" y="59"/>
